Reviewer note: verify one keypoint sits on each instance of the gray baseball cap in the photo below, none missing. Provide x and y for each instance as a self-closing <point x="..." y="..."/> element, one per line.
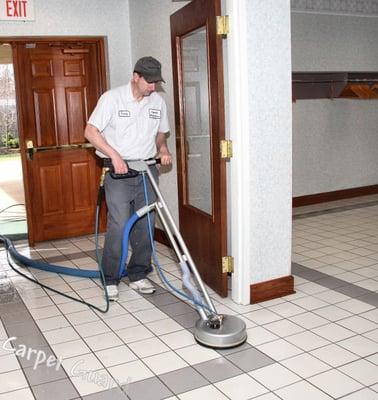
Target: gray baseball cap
<point x="149" y="68"/>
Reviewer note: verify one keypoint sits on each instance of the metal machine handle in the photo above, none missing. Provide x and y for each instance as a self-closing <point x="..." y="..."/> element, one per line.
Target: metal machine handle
<point x="140" y="166"/>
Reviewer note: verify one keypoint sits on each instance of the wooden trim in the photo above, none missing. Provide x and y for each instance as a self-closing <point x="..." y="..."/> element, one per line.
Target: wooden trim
<point x="18" y="71"/>
<point x="161" y="237"/>
<point x="272" y="289"/>
<point x="83" y="39"/>
<point x="336" y="195"/>
<point x="330" y="85"/>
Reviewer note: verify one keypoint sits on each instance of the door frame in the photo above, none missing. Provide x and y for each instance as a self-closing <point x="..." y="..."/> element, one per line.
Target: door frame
<point x="217" y="280"/>
<point x="238" y="126"/>
<point x="99" y="41"/>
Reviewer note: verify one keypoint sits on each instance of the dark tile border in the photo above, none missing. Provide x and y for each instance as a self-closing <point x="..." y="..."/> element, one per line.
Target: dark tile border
<point x="336" y="284"/>
<point x="19" y="323"/>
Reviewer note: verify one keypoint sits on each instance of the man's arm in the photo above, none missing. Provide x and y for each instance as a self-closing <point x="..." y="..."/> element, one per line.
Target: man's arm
<point x="93" y="135"/>
<point x="162" y="147"/>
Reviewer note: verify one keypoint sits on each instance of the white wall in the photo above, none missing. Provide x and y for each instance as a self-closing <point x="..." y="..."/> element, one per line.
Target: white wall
<point x="269" y="85"/>
<point x="267" y="255"/>
<point x="108" y="18"/>
<point x="335" y="145"/>
<point x="151" y="35"/>
<point x="335" y="142"/>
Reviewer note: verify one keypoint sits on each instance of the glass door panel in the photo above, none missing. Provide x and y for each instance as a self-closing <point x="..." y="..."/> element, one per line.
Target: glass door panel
<point x="195" y="87"/>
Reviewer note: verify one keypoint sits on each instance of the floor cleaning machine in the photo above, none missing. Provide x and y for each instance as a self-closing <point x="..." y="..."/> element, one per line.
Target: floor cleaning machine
<point x="212" y="329"/>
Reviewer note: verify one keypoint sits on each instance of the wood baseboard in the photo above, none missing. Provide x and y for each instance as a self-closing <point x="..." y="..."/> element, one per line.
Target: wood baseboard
<point x="259" y="292"/>
<point x="161" y="237"/>
<point x="336" y="195"/>
<point x="272" y="289"/>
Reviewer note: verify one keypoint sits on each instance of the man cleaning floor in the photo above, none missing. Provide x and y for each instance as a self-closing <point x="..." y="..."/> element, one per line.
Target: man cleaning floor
<point x="130" y="123"/>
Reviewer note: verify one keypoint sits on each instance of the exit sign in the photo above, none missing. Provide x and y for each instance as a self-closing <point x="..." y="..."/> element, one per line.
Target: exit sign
<point x="17" y="10"/>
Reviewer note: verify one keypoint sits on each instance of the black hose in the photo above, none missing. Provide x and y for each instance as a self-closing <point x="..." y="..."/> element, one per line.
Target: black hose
<point x="10" y="249"/>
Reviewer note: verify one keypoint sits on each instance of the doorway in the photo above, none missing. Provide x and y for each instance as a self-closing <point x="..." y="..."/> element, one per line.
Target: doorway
<point x="12" y="196"/>
<point x="199" y="112"/>
<point x="58" y="82"/>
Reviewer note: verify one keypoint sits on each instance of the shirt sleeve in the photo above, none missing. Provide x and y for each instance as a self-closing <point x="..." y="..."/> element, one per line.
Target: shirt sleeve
<point x="164" y="124"/>
<point x="103" y="112"/>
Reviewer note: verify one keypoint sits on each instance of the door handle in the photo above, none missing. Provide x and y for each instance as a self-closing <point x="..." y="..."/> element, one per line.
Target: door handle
<point x="30" y="149"/>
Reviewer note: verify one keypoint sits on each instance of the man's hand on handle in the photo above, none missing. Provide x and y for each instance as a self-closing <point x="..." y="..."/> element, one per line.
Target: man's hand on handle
<point x="93" y="135"/>
<point x="163" y="152"/>
<point x="119" y="165"/>
<point x="165" y="157"/>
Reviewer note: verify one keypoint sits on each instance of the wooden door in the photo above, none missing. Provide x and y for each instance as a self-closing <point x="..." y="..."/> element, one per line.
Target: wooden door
<point x="58" y="84"/>
<point x="199" y="113"/>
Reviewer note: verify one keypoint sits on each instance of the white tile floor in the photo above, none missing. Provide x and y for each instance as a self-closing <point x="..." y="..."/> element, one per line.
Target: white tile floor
<point x="319" y="343"/>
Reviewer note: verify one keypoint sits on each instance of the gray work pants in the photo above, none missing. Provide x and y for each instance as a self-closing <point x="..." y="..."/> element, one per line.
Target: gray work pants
<point x="123" y="198"/>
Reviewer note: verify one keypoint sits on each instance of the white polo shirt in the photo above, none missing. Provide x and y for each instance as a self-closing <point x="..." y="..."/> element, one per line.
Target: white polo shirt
<point x="130" y="126"/>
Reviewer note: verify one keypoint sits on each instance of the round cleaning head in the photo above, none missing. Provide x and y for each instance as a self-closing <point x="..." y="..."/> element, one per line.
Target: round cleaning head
<point x="232" y="332"/>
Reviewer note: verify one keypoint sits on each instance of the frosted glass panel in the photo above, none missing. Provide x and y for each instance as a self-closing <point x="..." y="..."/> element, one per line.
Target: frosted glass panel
<point x="197" y="126"/>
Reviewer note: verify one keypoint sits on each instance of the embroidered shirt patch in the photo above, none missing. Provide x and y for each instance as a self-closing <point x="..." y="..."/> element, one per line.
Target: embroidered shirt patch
<point x="124" y="113"/>
<point x="155" y="114"/>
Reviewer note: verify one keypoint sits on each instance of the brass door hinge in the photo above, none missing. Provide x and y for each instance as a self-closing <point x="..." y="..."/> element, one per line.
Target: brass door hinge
<point x="223" y="25"/>
<point x="228" y="264"/>
<point x="226" y="148"/>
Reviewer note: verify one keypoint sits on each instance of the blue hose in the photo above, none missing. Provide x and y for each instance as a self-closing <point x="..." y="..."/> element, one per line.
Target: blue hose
<point x="125" y="244"/>
<point x="27" y="262"/>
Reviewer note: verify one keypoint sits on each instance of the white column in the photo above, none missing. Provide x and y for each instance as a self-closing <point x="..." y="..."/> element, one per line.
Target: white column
<point x="259" y="81"/>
